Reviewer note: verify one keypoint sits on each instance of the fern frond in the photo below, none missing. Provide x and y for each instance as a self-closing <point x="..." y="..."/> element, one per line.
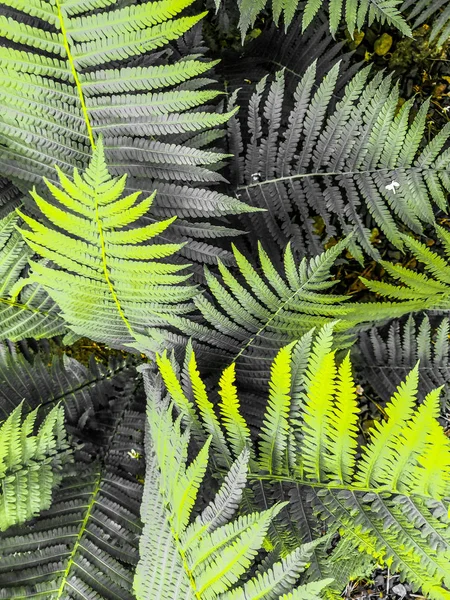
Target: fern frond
<point x="355" y="13"/>
<point x="386" y="500"/>
<point x="30" y="464"/>
<point x="70" y="73"/>
<point x="31" y="313"/>
<point x="204" y="556"/>
<point x="329" y="159"/>
<point x="377" y="458"/>
<point x="86" y="544"/>
<point x="46" y="381"/>
<point x="99" y="286"/>
<point x="263" y="309"/>
<point x="438" y="13"/>
<point x="429" y="289"/>
<point x="251" y="311"/>
<point x="384" y="363"/>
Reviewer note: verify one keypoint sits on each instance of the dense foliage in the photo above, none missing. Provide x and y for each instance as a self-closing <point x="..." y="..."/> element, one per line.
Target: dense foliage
<point x="224" y="297"/>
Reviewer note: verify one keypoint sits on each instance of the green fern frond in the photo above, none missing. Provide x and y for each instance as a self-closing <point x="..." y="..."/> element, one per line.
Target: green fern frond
<point x="384" y="364"/>
<point x="102" y="258"/>
<point x="430" y="289"/>
<point x="32" y="313"/>
<point x="355" y="13"/>
<point x="30" y="464"/>
<point x="69" y="74"/>
<point x="83" y="94"/>
<point x="334" y="163"/>
<point x="263" y="309"/>
<point x="203" y="556"/>
<point x="86" y="544"/>
<point x="386" y="499"/>
<point x="250" y="312"/>
<point x="438" y="13"/>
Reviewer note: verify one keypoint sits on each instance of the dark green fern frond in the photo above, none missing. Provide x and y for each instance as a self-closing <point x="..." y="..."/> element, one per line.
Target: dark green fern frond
<point x="112" y="284"/>
<point x="10" y="197"/>
<point x="45" y="380"/>
<point x="86" y="544"/>
<point x="32" y="313"/>
<point x="30" y="464"/>
<point x="435" y="11"/>
<point x="253" y="311"/>
<point x="387" y="500"/>
<point x="385" y="357"/>
<point x="207" y="555"/>
<point x="71" y="72"/>
<point x="355" y="13"/>
<point x="264" y="309"/>
<point x="340" y="169"/>
<point x="427" y="289"/>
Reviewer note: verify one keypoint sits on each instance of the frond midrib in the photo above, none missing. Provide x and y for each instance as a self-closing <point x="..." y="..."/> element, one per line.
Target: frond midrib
<point x="74" y="72"/>
<point x="378" y="491"/>
<point x="243" y="188"/>
<point x="84" y="524"/>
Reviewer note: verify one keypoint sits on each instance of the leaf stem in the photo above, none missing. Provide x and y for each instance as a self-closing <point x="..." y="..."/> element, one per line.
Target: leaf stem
<point x="84" y="109"/>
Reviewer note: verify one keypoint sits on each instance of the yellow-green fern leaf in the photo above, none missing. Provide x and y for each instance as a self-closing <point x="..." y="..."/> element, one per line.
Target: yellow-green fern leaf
<point x="343" y="425"/>
<point x="113" y="283"/>
<point x="384" y="436"/>
<point x="236" y="428"/>
<point x="30" y="464"/>
<point x="208" y="415"/>
<point x="275" y="430"/>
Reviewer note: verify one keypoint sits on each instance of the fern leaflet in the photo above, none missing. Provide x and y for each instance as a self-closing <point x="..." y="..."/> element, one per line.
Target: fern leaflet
<point x="30" y="464"/>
